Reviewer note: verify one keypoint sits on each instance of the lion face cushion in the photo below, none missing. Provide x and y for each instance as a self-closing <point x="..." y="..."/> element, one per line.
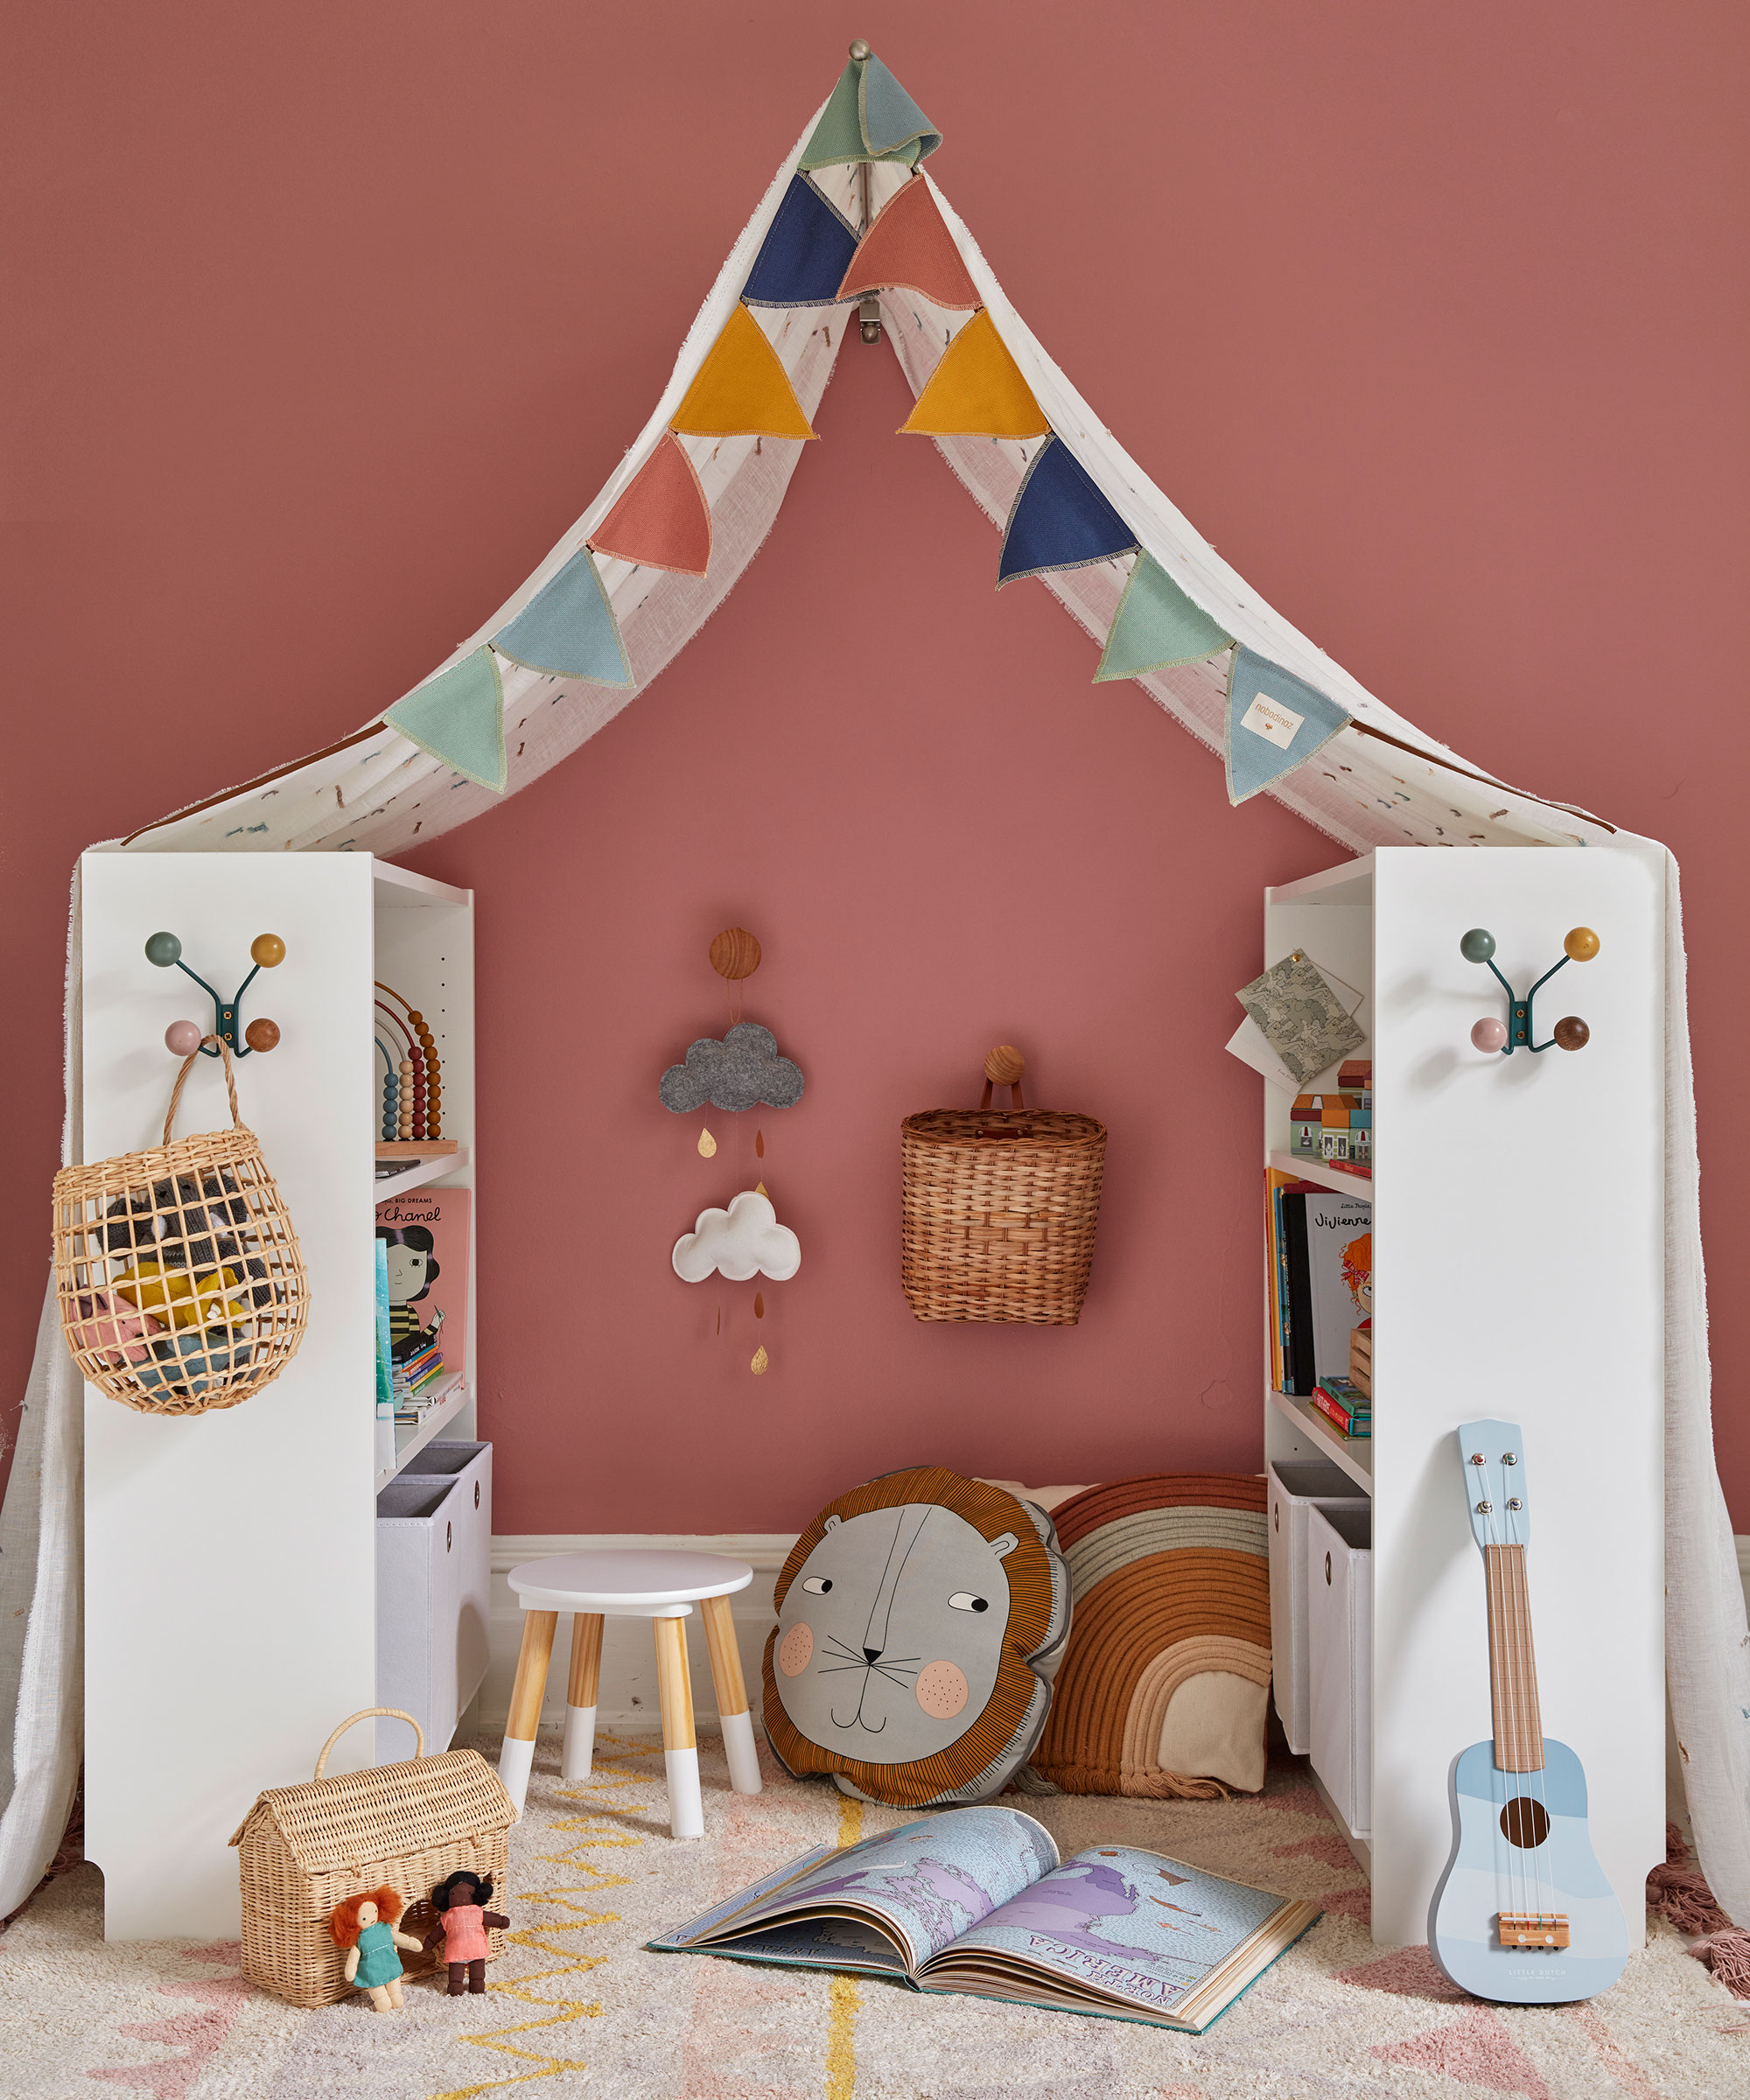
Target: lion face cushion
<point x="919" y="1618"/>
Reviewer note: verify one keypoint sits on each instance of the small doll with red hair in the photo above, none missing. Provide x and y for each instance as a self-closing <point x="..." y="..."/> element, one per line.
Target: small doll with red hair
<point x="365" y="1927"/>
<point x="460" y="1903"/>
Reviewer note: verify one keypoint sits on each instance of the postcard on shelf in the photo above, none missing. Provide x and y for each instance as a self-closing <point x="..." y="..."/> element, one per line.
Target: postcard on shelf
<point x="977" y="1901"/>
<point x="424" y="1234"/>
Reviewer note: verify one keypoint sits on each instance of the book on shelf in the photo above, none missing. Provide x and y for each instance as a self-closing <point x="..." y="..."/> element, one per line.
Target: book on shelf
<point x="424" y="1238"/>
<point x="978" y="1901"/>
<point x="1344" y="1405"/>
<point x="1327" y="1251"/>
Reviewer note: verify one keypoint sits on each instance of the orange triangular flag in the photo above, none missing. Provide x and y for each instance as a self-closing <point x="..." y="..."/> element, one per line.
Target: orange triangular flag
<point x="741" y="390"/>
<point x="662" y="520"/>
<point x="909" y="248"/>
<point x="976" y="391"/>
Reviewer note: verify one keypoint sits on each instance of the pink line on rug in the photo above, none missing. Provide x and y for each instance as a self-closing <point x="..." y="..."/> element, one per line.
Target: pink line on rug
<point x="1475" y="2049"/>
<point x="1408" y="1971"/>
<point x="1615" y="2058"/>
<point x="199" y="2035"/>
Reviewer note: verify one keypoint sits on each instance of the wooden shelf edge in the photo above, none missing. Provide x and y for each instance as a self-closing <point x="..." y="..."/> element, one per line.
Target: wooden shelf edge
<point x="1326" y="1177"/>
<point x="417" y="1436"/>
<point x="419" y="1148"/>
<point x="1356" y="1457"/>
<point x="418" y="1174"/>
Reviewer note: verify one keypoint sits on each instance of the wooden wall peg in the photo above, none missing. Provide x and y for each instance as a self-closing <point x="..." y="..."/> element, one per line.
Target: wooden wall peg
<point x="735" y="954"/>
<point x="1003" y="1067"/>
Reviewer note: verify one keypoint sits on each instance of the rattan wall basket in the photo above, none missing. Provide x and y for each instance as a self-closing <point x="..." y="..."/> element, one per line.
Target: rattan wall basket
<point x="301" y="1849"/>
<point x="999" y="1209"/>
<point x="180" y="1283"/>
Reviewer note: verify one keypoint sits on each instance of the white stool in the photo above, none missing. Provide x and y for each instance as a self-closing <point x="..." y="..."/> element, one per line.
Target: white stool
<point x="631" y="1584"/>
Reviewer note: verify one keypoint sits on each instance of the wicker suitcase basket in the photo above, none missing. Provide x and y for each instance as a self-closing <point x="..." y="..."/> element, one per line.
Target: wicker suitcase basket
<point x="999" y="1209"/>
<point x="301" y="1850"/>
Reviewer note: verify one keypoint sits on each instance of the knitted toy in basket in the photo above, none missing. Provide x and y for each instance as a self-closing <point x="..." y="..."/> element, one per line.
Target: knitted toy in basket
<point x="919" y="1617"/>
<point x="178" y="1274"/>
<point x="1163" y="1687"/>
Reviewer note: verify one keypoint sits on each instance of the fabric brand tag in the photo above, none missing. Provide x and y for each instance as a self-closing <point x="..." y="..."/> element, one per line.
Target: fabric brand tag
<point x="1270" y="719"/>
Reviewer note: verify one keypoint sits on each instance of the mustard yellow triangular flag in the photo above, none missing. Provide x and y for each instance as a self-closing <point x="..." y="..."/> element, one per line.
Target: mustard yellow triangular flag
<point x="976" y="391"/>
<point x="741" y="390"/>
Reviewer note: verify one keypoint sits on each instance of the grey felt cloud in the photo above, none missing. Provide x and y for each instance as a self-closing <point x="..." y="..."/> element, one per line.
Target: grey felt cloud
<point x="740" y="1072"/>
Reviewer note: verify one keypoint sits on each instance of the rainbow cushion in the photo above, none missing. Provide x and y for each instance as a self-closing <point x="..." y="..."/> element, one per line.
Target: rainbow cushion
<point x="1169" y="1643"/>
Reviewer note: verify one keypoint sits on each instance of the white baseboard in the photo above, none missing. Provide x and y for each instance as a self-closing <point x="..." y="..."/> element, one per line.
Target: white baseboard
<point x="628" y="1664"/>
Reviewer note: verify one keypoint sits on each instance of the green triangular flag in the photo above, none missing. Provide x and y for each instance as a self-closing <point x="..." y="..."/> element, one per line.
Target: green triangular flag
<point x="458" y="718"/>
<point x="1156" y="625"/>
<point x="842" y="134"/>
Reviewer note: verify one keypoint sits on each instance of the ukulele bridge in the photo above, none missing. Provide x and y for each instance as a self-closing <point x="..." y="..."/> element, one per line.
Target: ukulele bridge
<point x="1540" y="1931"/>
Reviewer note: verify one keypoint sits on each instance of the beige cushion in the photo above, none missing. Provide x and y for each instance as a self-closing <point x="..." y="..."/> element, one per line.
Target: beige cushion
<point x="1214" y="1726"/>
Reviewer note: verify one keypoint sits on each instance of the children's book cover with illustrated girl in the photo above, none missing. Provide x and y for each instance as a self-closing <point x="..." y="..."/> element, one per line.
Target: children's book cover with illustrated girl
<point x="424" y="1237"/>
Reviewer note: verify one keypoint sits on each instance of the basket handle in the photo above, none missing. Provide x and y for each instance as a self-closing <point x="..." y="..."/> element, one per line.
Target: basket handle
<point x="230" y="1083"/>
<point x="1003" y="1067"/>
<point x="366" y="1714"/>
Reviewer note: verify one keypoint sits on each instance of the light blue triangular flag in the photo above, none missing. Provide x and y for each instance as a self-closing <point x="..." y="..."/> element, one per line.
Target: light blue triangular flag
<point x="1156" y="625"/>
<point x="1275" y="723"/>
<point x="892" y="121"/>
<point x="458" y="718"/>
<point x="568" y="628"/>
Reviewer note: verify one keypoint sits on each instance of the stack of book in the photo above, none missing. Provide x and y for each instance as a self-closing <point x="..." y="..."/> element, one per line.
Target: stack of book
<point x="1343" y="1404"/>
<point x="413" y="1382"/>
<point x="1319" y="1268"/>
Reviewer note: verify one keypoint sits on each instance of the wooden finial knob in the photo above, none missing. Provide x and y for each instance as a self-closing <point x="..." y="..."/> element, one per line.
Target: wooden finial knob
<point x="735" y="954"/>
<point x="1004" y="1066"/>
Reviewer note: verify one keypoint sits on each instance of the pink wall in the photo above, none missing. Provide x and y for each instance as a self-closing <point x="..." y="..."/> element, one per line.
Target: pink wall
<point x="324" y="323"/>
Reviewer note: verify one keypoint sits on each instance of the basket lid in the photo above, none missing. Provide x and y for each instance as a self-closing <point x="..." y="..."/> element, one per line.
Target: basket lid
<point x="378" y="1814"/>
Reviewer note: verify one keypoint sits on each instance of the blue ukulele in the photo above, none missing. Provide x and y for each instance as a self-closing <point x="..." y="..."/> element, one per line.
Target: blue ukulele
<point x="1523" y="1913"/>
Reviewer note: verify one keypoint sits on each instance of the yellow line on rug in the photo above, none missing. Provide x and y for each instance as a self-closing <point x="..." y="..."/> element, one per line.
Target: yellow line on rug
<point x="596" y="1833"/>
<point x="846" y="2000"/>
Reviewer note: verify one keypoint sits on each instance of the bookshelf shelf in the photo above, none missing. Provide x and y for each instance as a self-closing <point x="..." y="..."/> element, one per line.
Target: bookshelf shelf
<point x="418" y="1174"/>
<point x="1355" y="1458"/>
<point x="438" y="1417"/>
<point x="1326" y="1177"/>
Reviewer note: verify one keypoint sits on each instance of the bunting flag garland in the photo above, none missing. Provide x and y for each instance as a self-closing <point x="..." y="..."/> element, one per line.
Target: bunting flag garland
<point x="806" y="249"/>
<point x="1156" y="625"/>
<point x="870" y="117"/>
<point x="458" y="718"/>
<point x="976" y="391"/>
<point x="1061" y="520"/>
<point x="908" y="247"/>
<point x="568" y="628"/>
<point x="1275" y="723"/>
<point x="662" y="520"/>
<point x="741" y="390"/>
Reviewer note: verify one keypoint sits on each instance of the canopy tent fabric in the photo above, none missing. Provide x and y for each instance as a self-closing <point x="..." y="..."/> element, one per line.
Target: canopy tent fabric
<point x="658" y="550"/>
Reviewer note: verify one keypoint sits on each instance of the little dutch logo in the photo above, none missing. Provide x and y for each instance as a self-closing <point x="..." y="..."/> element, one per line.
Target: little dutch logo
<point x="1271" y="720"/>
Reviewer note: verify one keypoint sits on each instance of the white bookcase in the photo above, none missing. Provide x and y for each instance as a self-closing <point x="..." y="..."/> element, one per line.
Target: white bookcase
<point x="230" y="1558"/>
<point x="1519" y="1273"/>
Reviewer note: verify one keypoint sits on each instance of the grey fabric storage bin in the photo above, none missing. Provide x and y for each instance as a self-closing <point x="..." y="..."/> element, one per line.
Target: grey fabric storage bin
<point x="434" y="1573"/>
<point x="1295" y="1486"/>
<point x="1340" y="1650"/>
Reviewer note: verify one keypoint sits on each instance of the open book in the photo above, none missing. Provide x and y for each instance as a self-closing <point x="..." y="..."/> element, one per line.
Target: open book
<point x="976" y="1901"/>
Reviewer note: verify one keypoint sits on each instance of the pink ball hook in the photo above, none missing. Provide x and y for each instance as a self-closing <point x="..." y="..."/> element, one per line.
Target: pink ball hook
<point x="182" y="1038"/>
<point x="1489" y="1035"/>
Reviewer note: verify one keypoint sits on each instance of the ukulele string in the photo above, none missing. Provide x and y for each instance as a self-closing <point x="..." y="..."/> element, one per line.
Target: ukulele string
<point x="1497" y="1627"/>
<point x="1540" y="1790"/>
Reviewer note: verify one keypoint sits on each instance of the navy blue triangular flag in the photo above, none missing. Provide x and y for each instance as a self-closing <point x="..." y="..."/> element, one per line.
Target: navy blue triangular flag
<point x="1060" y="520"/>
<point x="805" y="252"/>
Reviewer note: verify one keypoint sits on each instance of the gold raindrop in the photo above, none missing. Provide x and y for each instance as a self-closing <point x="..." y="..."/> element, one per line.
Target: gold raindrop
<point x="707" y="1145"/>
<point x="760" y="1361"/>
<point x="758" y="1145"/>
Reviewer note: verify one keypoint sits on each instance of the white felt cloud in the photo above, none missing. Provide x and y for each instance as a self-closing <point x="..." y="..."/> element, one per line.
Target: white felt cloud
<point x="744" y="1240"/>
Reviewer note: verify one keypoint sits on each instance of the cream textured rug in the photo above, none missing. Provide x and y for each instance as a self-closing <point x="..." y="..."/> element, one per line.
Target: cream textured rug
<point x="578" y="2007"/>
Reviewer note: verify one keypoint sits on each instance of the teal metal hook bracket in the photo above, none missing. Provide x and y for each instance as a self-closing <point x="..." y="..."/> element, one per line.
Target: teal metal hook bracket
<point x="1571" y="1032"/>
<point x="267" y="951"/>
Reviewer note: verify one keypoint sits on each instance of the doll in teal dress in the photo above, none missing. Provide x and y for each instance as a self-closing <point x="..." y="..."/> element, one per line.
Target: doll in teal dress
<point x="365" y="1927"/>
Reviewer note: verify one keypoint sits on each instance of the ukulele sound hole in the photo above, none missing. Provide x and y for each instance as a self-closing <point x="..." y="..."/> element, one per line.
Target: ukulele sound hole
<point x="1525" y="1822"/>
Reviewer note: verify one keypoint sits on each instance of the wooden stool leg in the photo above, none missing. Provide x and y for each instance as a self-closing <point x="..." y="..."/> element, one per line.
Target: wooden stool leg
<point x="516" y="1754"/>
<point x="731" y="1696"/>
<point x="580" y="1696"/>
<point x="680" y="1745"/>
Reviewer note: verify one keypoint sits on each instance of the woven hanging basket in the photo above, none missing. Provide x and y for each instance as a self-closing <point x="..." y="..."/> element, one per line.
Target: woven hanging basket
<point x="178" y="1276"/>
<point x="1000" y="1208"/>
<point x="301" y="1849"/>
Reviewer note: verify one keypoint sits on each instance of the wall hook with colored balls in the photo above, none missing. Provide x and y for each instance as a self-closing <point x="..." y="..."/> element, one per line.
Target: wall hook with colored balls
<point x="1515" y="1034"/>
<point x="182" y="1038"/>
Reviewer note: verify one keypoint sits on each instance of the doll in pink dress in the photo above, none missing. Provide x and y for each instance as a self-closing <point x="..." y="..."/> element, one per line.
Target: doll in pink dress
<point x="462" y="1922"/>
